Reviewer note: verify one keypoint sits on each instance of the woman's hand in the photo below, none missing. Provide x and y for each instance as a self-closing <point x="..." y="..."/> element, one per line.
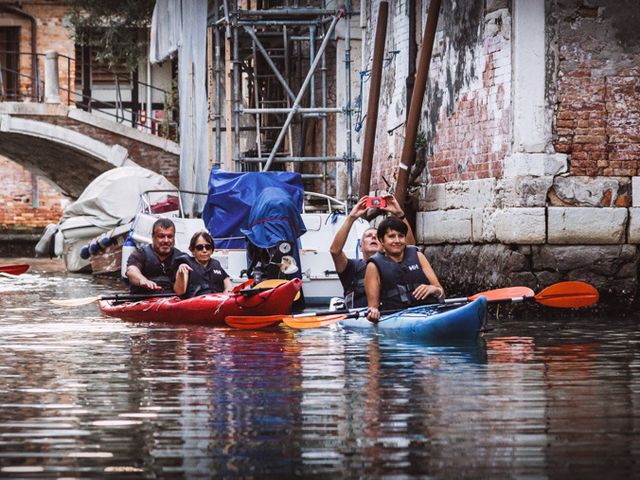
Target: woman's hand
<point x="359" y="209"/>
<point x="423" y="291"/>
<point x="393" y="207"/>
<point x="373" y="315"/>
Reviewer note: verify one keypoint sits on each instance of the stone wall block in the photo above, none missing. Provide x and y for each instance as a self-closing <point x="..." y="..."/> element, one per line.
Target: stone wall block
<point x="481" y="267"/>
<point x="635" y="191"/>
<point x="434" y="197"/>
<point x="526" y="191"/>
<point x="588" y="191"/>
<point x="588" y="226"/>
<point x="450" y="226"/>
<point x="473" y="193"/>
<point x="483" y="225"/>
<point x="601" y="259"/>
<point x="535" y="164"/>
<point x="520" y="225"/>
<point x="634" y="225"/>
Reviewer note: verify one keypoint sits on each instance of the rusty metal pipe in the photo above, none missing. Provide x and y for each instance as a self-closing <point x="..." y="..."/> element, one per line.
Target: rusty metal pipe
<point x="374" y="100"/>
<point x="415" y="109"/>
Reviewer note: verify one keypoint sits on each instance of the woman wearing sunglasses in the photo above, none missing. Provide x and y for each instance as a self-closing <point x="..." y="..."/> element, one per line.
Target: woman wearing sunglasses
<point x="200" y="274"/>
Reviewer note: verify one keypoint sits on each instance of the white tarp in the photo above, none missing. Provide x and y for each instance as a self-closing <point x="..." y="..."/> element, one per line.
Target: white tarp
<point x="166" y="28"/>
<point x="112" y="198"/>
<point x="182" y="25"/>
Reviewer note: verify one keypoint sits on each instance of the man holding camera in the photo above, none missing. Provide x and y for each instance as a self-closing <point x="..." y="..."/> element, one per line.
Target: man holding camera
<point x="351" y="271"/>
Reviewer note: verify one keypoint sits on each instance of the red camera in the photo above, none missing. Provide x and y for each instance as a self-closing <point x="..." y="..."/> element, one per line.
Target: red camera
<point x="376" y="202"/>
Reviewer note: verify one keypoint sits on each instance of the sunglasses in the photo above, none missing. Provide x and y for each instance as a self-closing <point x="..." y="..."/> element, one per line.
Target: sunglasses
<point x="200" y="248"/>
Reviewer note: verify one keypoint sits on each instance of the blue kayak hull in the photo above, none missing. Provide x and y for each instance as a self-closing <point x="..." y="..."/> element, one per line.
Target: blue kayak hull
<point x="430" y="322"/>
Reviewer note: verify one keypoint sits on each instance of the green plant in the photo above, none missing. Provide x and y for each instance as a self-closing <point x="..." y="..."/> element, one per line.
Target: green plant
<point x="421" y="140"/>
<point x="115" y="29"/>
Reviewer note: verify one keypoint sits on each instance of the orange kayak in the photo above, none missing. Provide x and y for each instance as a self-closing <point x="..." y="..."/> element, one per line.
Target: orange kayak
<point x="16" y="269"/>
<point x="209" y="309"/>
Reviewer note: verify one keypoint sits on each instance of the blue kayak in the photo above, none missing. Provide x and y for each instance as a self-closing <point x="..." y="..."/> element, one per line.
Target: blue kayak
<point x="428" y="322"/>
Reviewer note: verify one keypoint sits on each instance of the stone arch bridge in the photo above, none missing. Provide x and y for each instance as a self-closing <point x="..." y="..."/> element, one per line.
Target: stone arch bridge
<point x="71" y="147"/>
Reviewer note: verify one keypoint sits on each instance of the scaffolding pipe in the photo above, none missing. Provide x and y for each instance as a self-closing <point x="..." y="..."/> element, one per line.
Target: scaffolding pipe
<point x="305" y="110"/>
<point x="267" y="58"/>
<point x="227" y="29"/>
<point x="236" y="94"/>
<point x="312" y="57"/>
<point x="256" y="96"/>
<point x="294" y="159"/>
<point x="323" y="70"/>
<point x="218" y="71"/>
<point x="303" y="88"/>
<point x="374" y="100"/>
<point x="347" y="62"/>
<point x="278" y="23"/>
<point x="286" y="12"/>
<point x="285" y="40"/>
<point x="417" y="97"/>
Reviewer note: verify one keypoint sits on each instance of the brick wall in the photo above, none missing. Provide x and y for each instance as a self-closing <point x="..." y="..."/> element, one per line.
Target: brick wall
<point x="467" y="108"/>
<point x="146" y="156"/>
<point x="17" y="212"/>
<point x="597" y="119"/>
<point x="471" y="131"/>
<point x="51" y="34"/>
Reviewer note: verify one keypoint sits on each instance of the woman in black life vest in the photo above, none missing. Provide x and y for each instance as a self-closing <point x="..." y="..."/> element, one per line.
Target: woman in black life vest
<point x="200" y="274"/>
<point x="400" y="277"/>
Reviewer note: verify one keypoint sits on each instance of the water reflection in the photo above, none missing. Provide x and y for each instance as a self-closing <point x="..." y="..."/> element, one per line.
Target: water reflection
<point x="82" y="395"/>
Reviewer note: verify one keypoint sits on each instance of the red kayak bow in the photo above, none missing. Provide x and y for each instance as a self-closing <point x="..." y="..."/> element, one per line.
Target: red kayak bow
<point x="16" y="269"/>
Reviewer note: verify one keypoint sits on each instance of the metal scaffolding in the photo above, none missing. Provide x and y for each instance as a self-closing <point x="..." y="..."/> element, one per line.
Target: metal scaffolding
<point x="272" y="71"/>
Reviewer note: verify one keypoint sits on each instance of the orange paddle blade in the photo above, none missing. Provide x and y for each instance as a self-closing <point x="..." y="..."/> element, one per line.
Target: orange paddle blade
<point x="504" y="294"/>
<point x="313" y="322"/>
<point x="568" y="295"/>
<point x="252" y="322"/>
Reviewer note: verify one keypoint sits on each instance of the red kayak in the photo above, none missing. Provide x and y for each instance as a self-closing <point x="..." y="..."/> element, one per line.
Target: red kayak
<point x="17" y="269"/>
<point x="209" y="309"/>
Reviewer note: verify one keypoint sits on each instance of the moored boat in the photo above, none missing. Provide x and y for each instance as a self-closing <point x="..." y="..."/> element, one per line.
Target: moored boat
<point x="208" y="309"/>
<point x="429" y="322"/>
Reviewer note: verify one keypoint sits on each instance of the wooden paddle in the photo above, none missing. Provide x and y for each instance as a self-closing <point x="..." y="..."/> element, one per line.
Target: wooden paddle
<point x="559" y="295"/>
<point x="251" y="322"/>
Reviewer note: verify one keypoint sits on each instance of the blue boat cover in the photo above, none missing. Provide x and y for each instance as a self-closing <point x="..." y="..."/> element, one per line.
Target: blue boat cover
<point x="264" y="206"/>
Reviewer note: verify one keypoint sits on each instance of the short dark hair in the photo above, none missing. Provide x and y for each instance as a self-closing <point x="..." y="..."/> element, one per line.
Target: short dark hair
<point x="163" y="223"/>
<point x="207" y="238"/>
<point x="391" y="223"/>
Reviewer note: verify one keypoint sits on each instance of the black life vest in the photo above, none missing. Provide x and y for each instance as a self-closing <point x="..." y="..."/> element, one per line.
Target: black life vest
<point x="352" y="280"/>
<point x="202" y="280"/>
<point x="399" y="280"/>
<point x="157" y="271"/>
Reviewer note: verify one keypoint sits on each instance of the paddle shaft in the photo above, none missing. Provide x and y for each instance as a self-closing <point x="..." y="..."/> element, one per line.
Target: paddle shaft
<point x="125" y="297"/>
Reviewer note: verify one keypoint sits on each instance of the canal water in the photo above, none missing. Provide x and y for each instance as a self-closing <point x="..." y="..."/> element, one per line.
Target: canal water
<point x="85" y="396"/>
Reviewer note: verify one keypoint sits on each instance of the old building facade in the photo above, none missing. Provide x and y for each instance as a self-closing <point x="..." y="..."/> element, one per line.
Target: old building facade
<point x="65" y="117"/>
<point x="30" y="201"/>
<point x="532" y="129"/>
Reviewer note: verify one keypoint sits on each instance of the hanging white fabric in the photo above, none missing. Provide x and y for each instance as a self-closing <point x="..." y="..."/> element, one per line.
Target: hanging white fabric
<point x="182" y="25"/>
<point x="166" y="29"/>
